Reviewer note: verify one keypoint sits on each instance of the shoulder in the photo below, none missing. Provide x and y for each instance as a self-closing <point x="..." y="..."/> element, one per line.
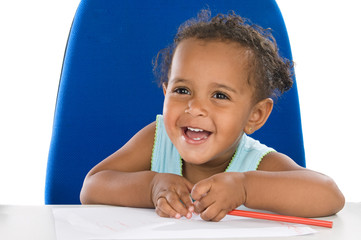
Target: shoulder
<point x="271" y="160"/>
<point x="248" y="155"/>
<point x="275" y="161"/>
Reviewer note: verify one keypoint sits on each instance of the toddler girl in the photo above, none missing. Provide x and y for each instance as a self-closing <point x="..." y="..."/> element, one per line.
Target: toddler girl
<point x="218" y="78"/>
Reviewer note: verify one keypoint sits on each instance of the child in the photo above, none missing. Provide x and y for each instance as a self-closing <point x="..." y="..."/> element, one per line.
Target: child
<point x="218" y="79"/>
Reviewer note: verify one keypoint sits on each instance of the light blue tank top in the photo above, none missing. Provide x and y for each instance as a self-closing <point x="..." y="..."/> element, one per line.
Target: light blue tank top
<point x="166" y="159"/>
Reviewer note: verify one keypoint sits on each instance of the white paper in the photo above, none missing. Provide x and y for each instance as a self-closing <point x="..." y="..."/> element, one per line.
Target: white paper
<point x="137" y="223"/>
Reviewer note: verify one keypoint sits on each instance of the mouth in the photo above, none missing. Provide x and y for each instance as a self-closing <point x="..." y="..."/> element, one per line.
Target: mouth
<point x="195" y="135"/>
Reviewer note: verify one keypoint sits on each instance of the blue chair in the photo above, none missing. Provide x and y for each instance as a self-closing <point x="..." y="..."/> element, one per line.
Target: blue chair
<point x="107" y="91"/>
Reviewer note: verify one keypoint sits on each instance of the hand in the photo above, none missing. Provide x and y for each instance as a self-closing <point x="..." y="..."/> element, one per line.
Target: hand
<point x="217" y="195"/>
<point x="171" y="195"/>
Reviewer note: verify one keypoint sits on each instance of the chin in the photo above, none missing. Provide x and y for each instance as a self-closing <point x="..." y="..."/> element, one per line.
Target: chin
<point x="194" y="159"/>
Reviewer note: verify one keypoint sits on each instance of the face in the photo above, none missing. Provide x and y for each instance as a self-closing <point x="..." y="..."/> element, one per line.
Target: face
<point x="208" y="101"/>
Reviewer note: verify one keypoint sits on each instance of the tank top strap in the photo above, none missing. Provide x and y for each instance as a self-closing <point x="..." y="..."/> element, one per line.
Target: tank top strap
<point x="165" y="157"/>
<point x="248" y="155"/>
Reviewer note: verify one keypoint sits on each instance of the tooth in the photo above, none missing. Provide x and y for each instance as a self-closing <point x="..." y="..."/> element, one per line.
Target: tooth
<point x="195" y="129"/>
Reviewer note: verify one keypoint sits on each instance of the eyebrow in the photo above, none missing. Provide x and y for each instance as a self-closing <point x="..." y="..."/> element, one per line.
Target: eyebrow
<point x="214" y="84"/>
<point x="179" y="80"/>
<point x="219" y="85"/>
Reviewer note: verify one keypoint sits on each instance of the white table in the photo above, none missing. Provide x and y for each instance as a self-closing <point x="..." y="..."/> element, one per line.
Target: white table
<point x="37" y="222"/>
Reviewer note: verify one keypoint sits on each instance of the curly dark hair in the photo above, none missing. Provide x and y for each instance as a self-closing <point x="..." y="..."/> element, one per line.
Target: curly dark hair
<point x="269" y="73"/>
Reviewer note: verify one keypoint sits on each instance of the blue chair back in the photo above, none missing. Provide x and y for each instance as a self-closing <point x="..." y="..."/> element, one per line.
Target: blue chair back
<point x="107" y="91"/>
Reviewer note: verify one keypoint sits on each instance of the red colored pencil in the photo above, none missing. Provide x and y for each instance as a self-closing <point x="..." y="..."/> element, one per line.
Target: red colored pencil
<point x="281" y="218"/>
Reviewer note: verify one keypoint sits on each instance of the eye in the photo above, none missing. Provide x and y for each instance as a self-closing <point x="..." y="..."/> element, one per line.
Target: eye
<point x="220" y="95"/>
<point x="181" y="90"/>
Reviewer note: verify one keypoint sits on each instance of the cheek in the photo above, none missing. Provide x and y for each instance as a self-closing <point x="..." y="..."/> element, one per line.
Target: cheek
<point x="169" y="116"/>
<point x="167" y="110"/>
<point x="172" y="109"/>
<point x="231" y="125"/>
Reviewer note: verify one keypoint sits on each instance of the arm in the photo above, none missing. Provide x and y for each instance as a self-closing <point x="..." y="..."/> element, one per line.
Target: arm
<point x="279" y="185"/>
<point x="125" y="179"/>
<point x="120" y="178"/>
<point x="282" y="186"/>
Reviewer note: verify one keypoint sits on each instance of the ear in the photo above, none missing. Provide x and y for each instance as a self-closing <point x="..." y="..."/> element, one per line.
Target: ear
<point x="259" y="115"/>
<point x="164" y="88"/>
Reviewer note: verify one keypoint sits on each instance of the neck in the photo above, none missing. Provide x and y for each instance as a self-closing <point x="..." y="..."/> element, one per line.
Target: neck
<point x="195" y="173"/>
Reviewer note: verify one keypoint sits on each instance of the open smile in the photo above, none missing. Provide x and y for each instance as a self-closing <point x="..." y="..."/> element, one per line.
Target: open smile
<point x="195" y="135"/>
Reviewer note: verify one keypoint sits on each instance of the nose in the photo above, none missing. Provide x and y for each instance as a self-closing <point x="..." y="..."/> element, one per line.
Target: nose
<point x="196" y="108"/>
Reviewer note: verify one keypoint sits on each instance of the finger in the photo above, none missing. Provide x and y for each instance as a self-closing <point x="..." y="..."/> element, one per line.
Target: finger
<point x="206" y="201"/>
<point x="201" y="189"/>
<point x="213" y="213"/>
<point x="218" y="217"/>
<point x="185" y="196"/>
<point x="164" y="209"/>
<point x="203" y="204"/>
<point x="176" y="202"/>
<point x="189" y="185"/>
<point x="161" y="213"/>
<point x="188" y="204"/>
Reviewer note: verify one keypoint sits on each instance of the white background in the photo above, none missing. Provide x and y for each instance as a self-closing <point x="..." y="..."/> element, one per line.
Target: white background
<point x="326" y="47"/>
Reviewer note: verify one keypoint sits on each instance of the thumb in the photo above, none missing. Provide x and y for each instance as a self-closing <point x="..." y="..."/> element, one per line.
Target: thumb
<point x="201" y="189"/>
<point x="188" y="184"/>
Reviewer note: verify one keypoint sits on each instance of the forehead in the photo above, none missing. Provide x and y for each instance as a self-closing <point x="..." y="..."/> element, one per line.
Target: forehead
<point x="223" y="49"/>
<point x="210" y="59"/>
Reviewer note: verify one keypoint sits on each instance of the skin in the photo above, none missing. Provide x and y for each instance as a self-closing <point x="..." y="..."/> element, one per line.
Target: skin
<point x="208" y="89"/>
